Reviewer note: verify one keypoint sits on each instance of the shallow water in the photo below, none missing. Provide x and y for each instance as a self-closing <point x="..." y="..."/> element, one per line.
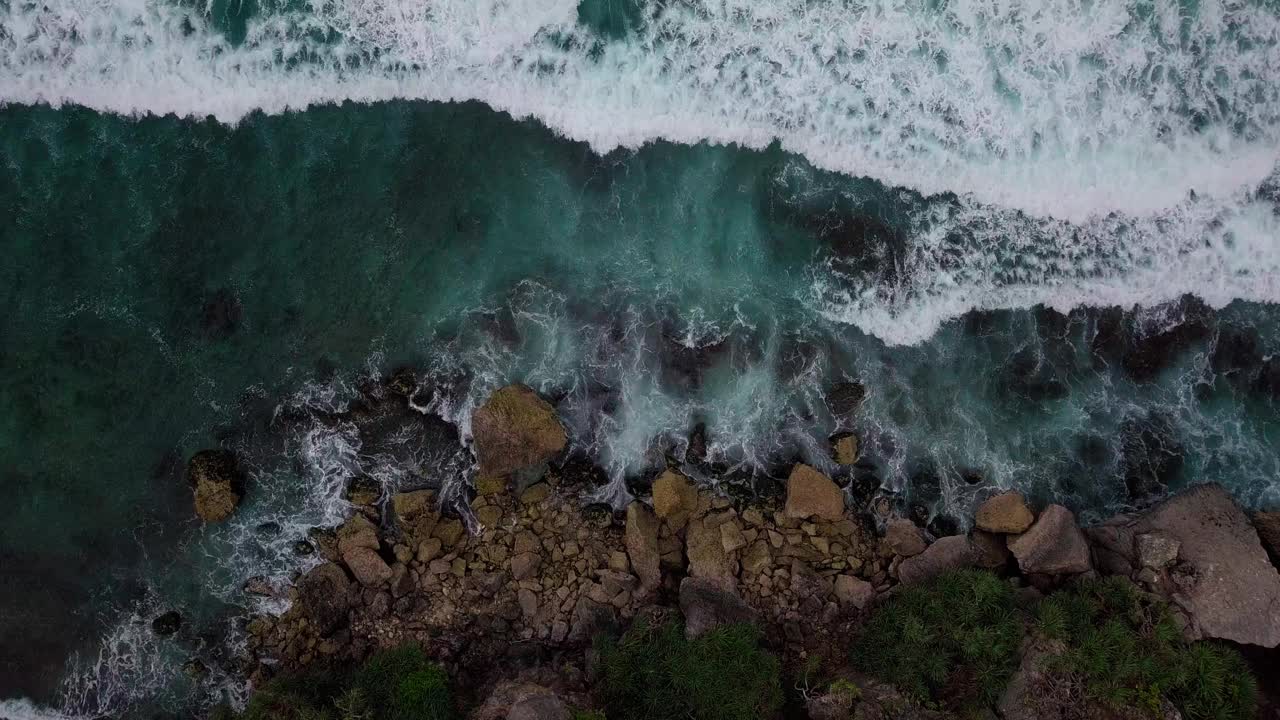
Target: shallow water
<point x="920" y="198"/>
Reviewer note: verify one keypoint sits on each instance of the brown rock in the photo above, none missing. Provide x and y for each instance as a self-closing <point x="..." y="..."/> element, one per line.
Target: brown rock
<point x="812" y="494"/>
<point x="642" y="545"/>
<point x="1005" y="513"/>
<point x="990" y="550"/>
<point x="904" y="538"/>
<point x="844" y="448"/>
<point x="368" y="566"/>
<point x="707" y="558"/>
<point x="512" y="700"/>
<point x="415" y="514"/>
<point x="1053" y="545"/>
<point x="731" y="537"/>
<point x="707" y="605"/>
<point x="854" y="592"/>
<point x="216" y="483"/>
<point x="525" y="565"/>
<point x="757" y="557"/>
<point x="1156" y="550"/>
<point x="949" y="553"/>
<point x="357" y="532"/>
<point x="1228" y="587"/>
<point x="516" y="434"/>
<point x="674" y="498"/>
<point x="322" y="595"/>
<point x="1268" y="526"/>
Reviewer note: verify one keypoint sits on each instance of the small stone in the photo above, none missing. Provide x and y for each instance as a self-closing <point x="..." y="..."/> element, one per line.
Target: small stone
<point x="449" y="531"/>
<point x="1006" y="513"/>
<point x="756" y="558"/>
<point x="904" y="538"/>
<point x="489" y="485"/>
<point x="776" y="539"/>
<point x="367" y="566"/>
<point x="458" y="567"/>
<point x="489" y="516"/>
<point x="528" y="602"/>
<point x="731" y="537"/>
<point x="822" y="544"/>
<point x="439" y="567"/>
<point x="525" y="565"/>
<point x="1053" y="545"/>
<point x="618" y="561"/>
<point x="429" y="550"/>
<point x="303" y="548"/>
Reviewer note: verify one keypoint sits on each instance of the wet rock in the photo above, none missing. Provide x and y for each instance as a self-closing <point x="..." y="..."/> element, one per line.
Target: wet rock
<point x="1005" y="513"/>
<point x="322" y="595"/>
<point x="697" y="449"/>
<point x="364" y="492"/>
<point x="707" y="605"/>
<point x="1053" y="545"/>
<point x="844" y="448"/>
<point x="948" y="553"/>
<point x="167" y="623"/>
<point x="943" y="525"/>
<point x="642" y="545"/>
<point x="1227" y="585"/>
<point x="1151" y="456"/>
<point x="303" y="548"/>
<point x="674" y="498"/>
<point x="259" y="585"/>
<point x="853" y="592"/>
<point x="357" y="532"/>
<point x="195" y="669"/>
<point x="1236" y="351"/>
<point x="516" y="435"/>
<point x="904" y="538"/>
<point x="221" y="315"/>
<point x="1030" y="376"/>
<point x="1267" y="381"/>
<point x="812" y="494"/>
<point x="217" y="484"/>
<point x="844" y="399"/>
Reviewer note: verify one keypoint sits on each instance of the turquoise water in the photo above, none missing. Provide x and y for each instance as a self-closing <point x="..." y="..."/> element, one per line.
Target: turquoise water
<point x="219" y="219"/>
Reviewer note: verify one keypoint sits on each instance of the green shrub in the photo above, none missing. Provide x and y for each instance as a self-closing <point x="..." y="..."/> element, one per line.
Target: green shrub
<point x="588" y="715"/>
<point x="306" y="696"/>
<point x="403" y="684"/>
<point x="654" y="673"/>
<point x="952" y="640"/>
<point x="1129" y="652"/>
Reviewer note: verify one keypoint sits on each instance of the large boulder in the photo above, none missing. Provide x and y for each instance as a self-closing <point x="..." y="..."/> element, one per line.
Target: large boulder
<point x="358" y="547"/>
<point x="521" y="701"/>
<point x="812" y="494"/>
<point x="1005" y="513"/>
<point x="949" y="553"/>
<point x="707" y="558"/>
<point x="904" y="538"/>
<point x="415" y="515"/>
<point x="322" y="595"/>
<point x="1225" y="582"/>
<point x="516" y="435"/>
<point x="217" y="483"/>
<point x="707" y="605"/>
<point x="1053" y="545"/>
<point x="1268" y="526"/>
<point x="642" y="545"/>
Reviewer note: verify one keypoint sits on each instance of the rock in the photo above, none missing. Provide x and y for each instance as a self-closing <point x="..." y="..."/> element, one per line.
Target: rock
<point x="528" y="601"/>
<point x="545" y="707"/>
<point x="1268" y="526"/>
<point x="303" y="548"/>
<point x="1053" y="545"/>
<point x="707" y="605"/>
<point x="525" y="565"/>
<point x="322" y="595"/>
<point x="516" y="434"/>
<point x="642" y="545"/>
<point x="1024" y="696"/>
<point x="949" y="553"/>
<point x="195" y="669"/>
<point x="674" y="498"/>
<point x="989" y="550"/>
<point x="854" y="592"/>
<point x="364" y="492"/>
<point x="812" y="494"/>
<point x="731" y="537"/>
<point x="1005" y="513"/>
<point x="707" y="558"/>
<point x="512" y="700"/>
<point x="259" y="585"/>
<point x="429" y="550"/>
<point x="844" y="448"/>
<point x="591" y="618"/>
<point x="1156" y="550"/>
<point x="844" y="399"/>
<point x="357" y="532"/>
<point x="216" y="483"/>
<point x="904" y="538"/>
<point x="415" y="515"/>
<point x="167" y="623"/>
<point x="367" y="566"/>
<point x="1112" y="544"/>
<point x="1228" y="587"/>
<point x="1151" y="457"/>
<point x="757" y="557"/>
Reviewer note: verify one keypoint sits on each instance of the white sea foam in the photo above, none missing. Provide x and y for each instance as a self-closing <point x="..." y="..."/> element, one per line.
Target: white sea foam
<point x="1057" y="107"/>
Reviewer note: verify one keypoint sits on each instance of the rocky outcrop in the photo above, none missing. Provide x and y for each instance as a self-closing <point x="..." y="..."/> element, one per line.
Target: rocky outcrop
<point x="1053" y="545"/>
<point x="1222" y="577"/>
<point x="707" y="605"/>
<point x="1006" y="513"/>
<point x="217" y="483"/>
<point x="516" y="435"/>
<point x="812" y="494"/>
<point x="949" y="553"/>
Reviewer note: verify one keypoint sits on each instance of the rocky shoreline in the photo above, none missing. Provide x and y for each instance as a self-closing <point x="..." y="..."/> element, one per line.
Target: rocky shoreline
<point x="511" y="591"/>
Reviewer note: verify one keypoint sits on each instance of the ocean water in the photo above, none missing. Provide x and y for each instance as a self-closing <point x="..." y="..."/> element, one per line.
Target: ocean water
<point x="1045" y="236"/>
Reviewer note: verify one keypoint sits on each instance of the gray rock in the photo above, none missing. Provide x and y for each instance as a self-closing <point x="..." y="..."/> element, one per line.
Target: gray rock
<point x="949" y="553"/>
<point x="541" y="707"/>
<point x="642" y="545"/>
<point x="322" y="594"/>
<point x="367" y="566"/>
<point x="1053" y="545"/>
<point x="1156" y="550"/>
<point x="853" y="592"/>
<point x="1227" y="585"/>
<point x="707" y="605"/>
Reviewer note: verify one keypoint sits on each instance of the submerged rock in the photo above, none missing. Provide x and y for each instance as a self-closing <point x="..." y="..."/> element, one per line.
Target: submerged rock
<point x="844" y="448"/>
<point x="1053" y="545"/>
<point x="216" y="483"/>
<point x="167" y="623"/>
<point x="844" y="399"/>
<point x="516" y="435"/>
<point x="812" y="494"/>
